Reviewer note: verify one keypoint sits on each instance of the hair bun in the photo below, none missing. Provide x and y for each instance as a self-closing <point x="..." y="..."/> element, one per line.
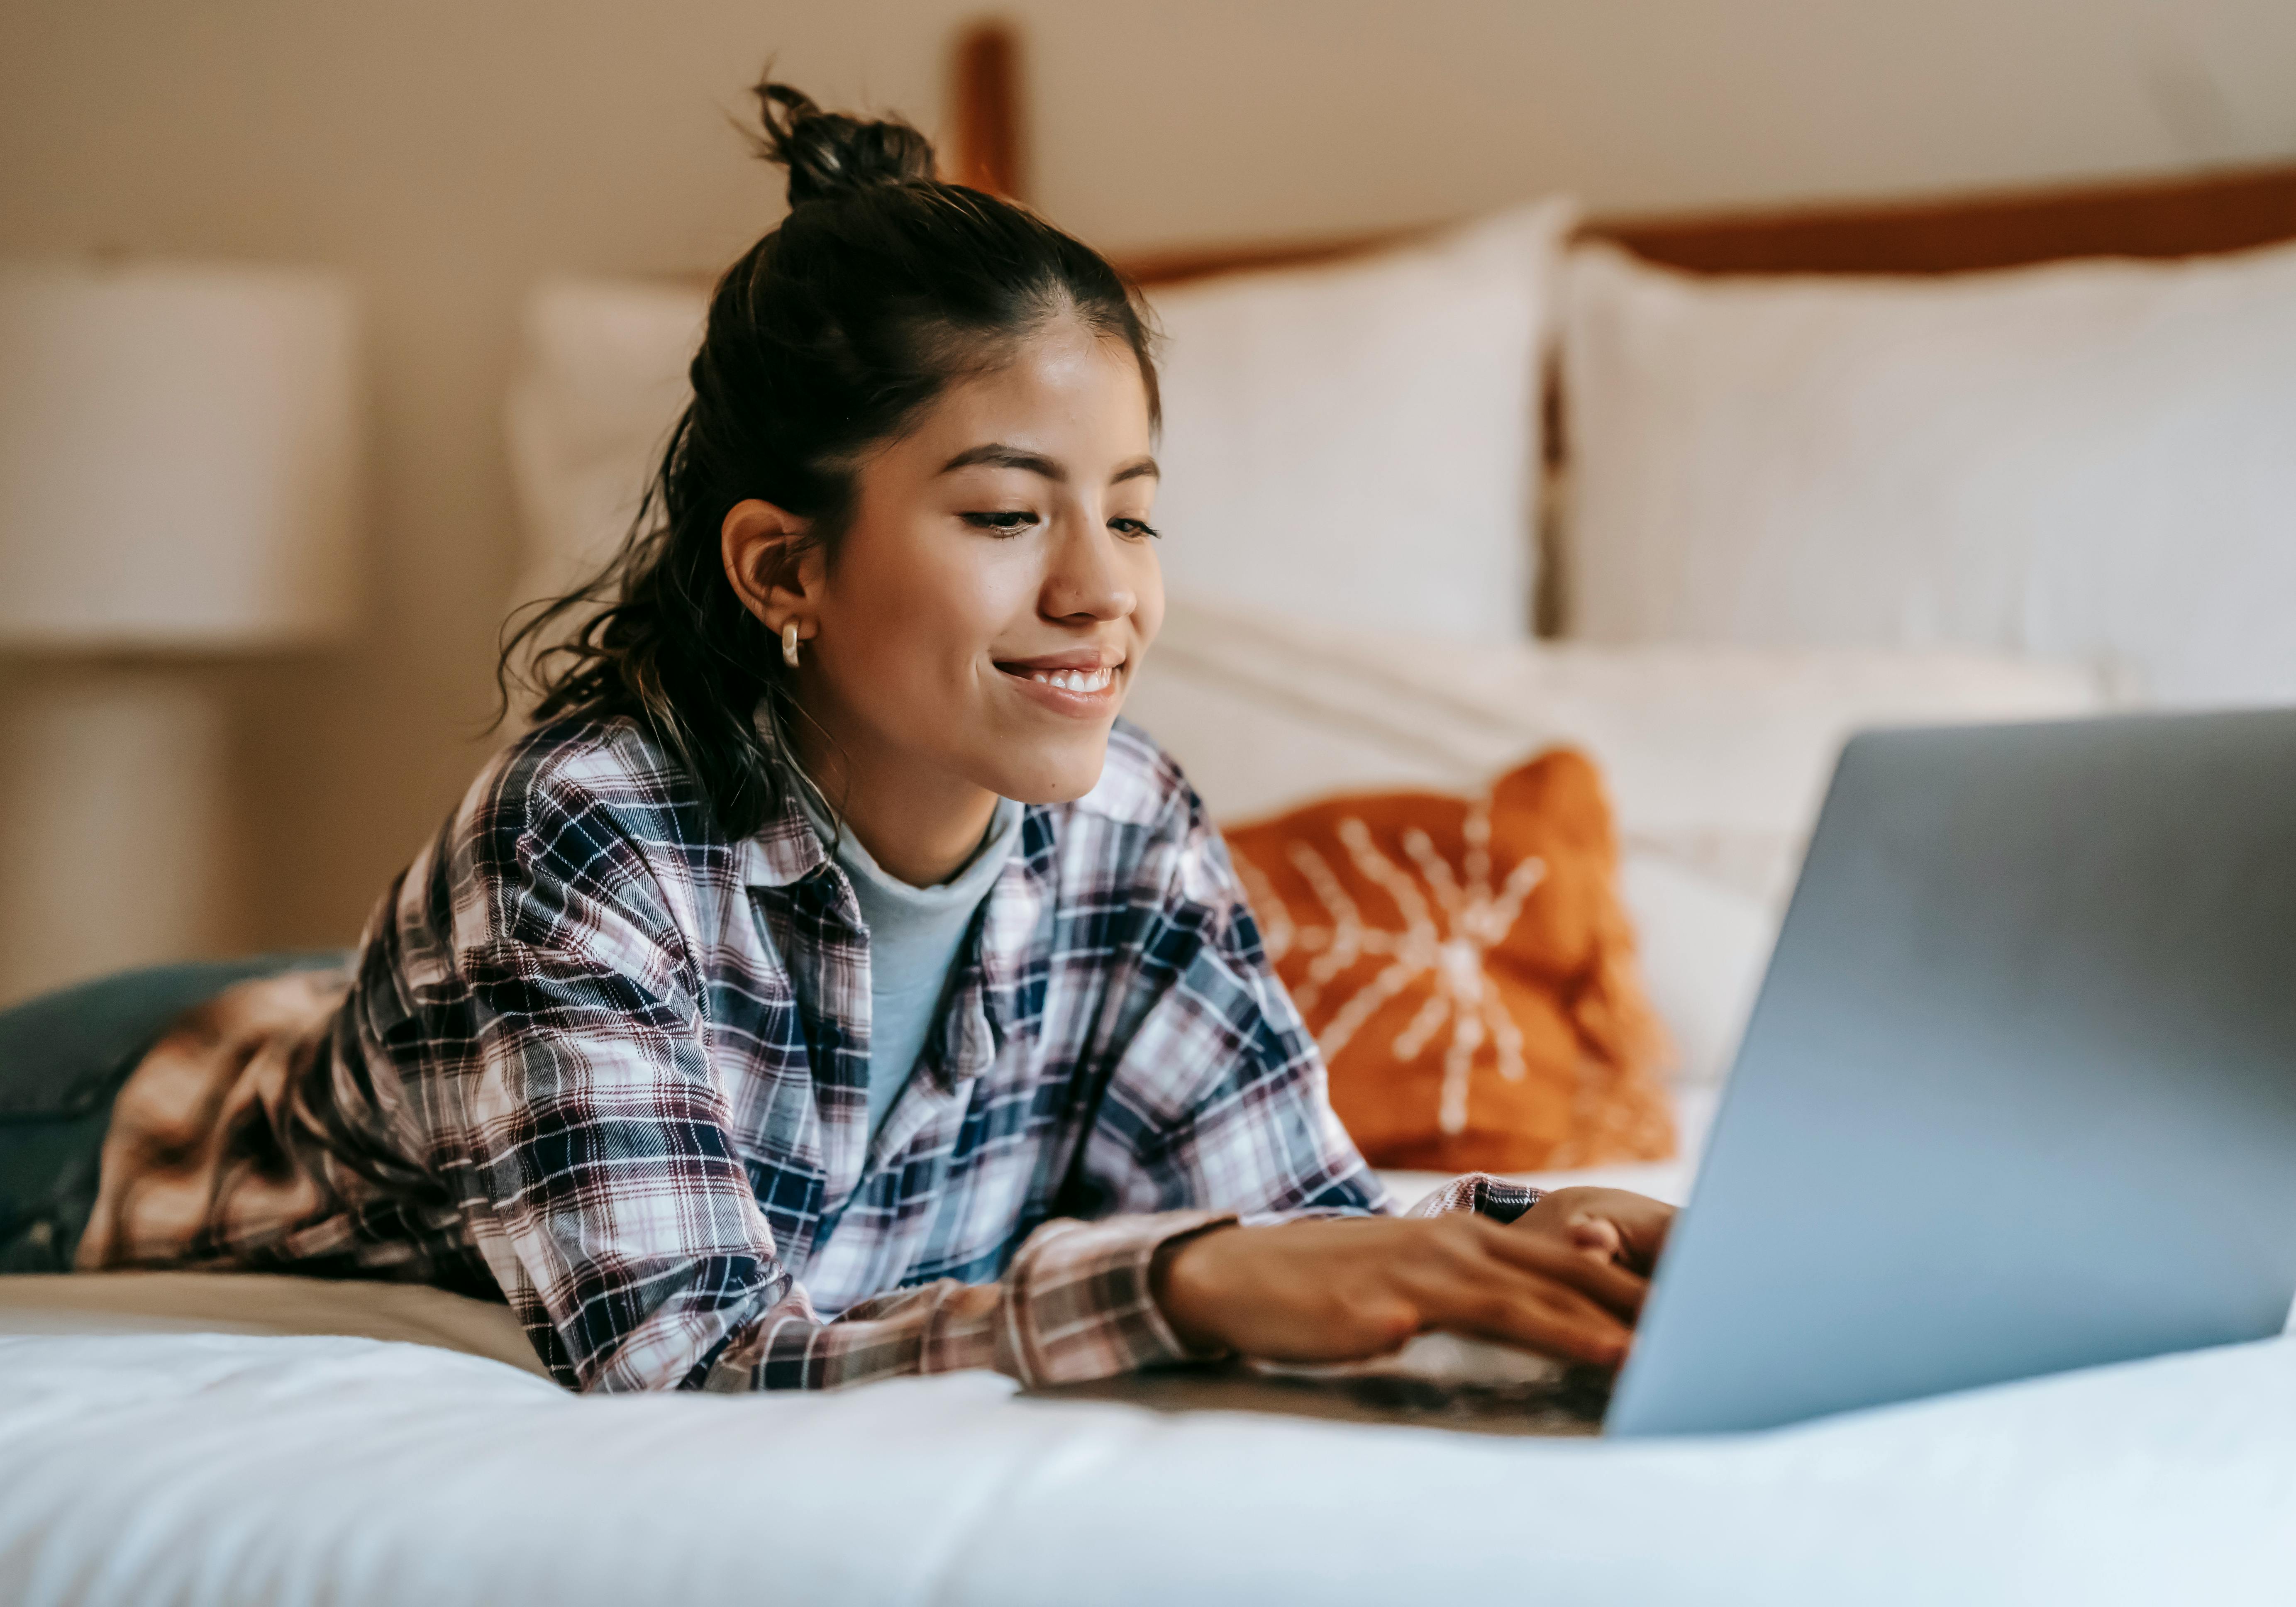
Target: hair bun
<point x="829" y="154"/>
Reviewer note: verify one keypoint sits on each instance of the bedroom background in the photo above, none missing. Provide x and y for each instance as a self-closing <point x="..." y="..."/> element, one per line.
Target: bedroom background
<point x="445" y="158"/>
<point x="1820" y="502"/>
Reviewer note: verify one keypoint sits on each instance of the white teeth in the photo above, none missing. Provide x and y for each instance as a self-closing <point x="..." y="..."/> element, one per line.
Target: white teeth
<point x="1074" y="680"/>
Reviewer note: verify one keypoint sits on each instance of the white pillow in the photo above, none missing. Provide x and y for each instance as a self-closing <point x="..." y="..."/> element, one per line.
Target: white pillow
<point x="1358" y="442"/>
<point x="2092" y="460"/>
<point x="599" y="383"/>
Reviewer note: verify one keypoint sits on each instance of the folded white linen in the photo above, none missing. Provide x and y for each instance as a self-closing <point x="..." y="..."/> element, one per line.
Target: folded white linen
<point x="237" y="1470"/>
<point x="1704" y="947"/>
<point x="1716" y="758"/>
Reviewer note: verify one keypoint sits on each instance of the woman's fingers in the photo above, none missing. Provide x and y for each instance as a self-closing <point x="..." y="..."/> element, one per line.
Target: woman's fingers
<point x="1332" y="1291"/>
<point x="1617" y="1289"/>
<point x="1525" y="1310"/>
<point x="1598" y="1236"/>
<point x="1633" y="1228"/>
<point x="1496" y="1299"/>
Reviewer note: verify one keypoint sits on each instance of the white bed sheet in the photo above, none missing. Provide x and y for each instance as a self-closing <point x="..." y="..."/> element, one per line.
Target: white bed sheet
<point x="233" y="1468"/>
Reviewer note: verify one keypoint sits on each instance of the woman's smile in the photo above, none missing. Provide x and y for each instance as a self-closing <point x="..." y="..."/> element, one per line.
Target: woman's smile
<point x="1079" y="682"/>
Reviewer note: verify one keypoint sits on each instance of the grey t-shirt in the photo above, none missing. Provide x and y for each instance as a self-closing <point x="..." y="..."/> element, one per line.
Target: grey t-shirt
<point x="914" y="934"/>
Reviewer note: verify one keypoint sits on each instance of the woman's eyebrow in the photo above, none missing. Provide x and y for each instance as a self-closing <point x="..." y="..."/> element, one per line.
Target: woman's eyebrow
<point x="996" y="454"/>
<point x="1135" y="470"/>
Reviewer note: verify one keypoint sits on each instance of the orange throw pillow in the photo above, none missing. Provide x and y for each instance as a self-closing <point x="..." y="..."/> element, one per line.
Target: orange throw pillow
<point x="1468" y="971"/>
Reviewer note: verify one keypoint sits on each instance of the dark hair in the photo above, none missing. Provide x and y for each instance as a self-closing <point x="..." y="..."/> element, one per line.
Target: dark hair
<point x="880" y="287"/>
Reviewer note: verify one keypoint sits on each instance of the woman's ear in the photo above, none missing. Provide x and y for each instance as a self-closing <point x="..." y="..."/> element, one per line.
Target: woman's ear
<point x="764" y="549"/>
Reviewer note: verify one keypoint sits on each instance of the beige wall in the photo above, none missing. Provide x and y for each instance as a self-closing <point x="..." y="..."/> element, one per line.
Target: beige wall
<point x="447" y="152"/>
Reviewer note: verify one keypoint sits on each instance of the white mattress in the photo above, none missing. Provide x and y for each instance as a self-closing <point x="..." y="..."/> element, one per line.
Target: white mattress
<point x="236" y="1468"/>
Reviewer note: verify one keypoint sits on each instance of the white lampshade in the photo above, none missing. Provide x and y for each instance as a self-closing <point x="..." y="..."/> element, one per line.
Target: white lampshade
<point x="178" y="456"/>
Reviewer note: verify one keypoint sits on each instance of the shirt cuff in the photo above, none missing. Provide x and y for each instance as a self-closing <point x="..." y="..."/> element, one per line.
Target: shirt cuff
<point x="1080" y="1301"/>
<point x="1497" y="1198"/>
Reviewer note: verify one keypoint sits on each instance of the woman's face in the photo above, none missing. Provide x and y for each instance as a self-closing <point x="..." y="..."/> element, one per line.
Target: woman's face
<point x="997" y="586"/>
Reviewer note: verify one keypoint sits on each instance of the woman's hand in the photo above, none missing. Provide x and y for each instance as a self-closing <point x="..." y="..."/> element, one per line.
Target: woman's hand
<point x="1608" y="1224"/>
<point x="1348" y="1289"/>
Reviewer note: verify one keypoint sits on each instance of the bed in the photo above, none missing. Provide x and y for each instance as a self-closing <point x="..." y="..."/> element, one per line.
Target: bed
<point x="243" y="1439"/>
<point x="247" y="1459"/>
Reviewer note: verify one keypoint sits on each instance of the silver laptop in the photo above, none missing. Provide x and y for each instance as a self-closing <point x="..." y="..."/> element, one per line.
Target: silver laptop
<point x="2019" y="1091"/>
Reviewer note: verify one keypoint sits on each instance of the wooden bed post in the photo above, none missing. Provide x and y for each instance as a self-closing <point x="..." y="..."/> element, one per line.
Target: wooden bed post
<point x="985" y="97"/>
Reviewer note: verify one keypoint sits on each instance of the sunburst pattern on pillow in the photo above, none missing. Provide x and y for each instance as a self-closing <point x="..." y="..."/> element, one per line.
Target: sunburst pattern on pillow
<point x="1468" y="970"/>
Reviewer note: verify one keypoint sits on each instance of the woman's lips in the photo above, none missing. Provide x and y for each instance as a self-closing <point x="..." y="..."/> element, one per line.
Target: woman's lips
<point x="1079" y="691"/>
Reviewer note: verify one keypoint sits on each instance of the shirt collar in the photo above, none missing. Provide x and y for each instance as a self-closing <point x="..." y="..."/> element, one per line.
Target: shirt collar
<point x="783" y="850"/>
<point x="786" y="849"/>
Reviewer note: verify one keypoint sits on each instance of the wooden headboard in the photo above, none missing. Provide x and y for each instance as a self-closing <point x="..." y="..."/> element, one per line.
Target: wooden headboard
<point x="2155" y="218"/>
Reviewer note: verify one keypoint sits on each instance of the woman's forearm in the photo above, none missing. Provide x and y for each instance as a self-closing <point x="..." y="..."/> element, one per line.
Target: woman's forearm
<point x="1077" y="1304"/>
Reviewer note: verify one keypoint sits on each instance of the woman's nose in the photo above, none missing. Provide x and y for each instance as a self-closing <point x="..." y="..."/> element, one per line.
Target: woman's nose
<point x="1084" y="577"/>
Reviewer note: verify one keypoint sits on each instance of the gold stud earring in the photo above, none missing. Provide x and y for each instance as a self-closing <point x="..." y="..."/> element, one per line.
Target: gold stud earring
<point x="789" y="645"/>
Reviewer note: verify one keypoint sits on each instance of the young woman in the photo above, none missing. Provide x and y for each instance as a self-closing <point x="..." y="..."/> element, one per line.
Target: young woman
<point x="829" y="986"/>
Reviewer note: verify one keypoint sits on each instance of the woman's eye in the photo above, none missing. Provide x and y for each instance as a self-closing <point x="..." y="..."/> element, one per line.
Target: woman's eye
<point x="1134" y="528"/>
<point x="1001" y="522"/>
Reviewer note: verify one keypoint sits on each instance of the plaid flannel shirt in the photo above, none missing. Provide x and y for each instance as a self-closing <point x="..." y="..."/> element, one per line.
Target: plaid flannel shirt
<point x="601" y="1056"/>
